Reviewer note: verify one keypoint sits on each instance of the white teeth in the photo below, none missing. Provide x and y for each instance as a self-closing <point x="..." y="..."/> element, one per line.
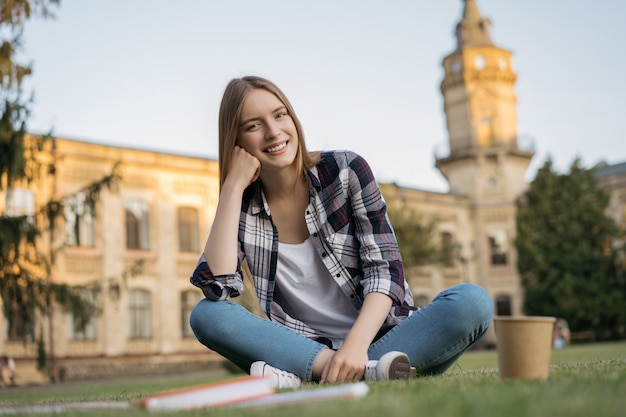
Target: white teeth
<point x="277" y="147"/>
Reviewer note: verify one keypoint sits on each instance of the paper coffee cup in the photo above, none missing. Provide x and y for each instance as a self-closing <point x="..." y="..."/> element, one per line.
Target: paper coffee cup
<point x="524" y="344"/>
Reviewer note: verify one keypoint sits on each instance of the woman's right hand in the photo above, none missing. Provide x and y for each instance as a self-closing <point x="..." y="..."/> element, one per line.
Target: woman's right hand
<point x="244" y="168"/>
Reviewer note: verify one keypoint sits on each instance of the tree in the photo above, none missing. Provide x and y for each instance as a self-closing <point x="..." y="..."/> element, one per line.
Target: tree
<point x="29" y="237"/>
<point x="566" y="255"/>
<point x="418" y="239"/>
<point x="15" y="151"/>
<point x="19" y="165"/>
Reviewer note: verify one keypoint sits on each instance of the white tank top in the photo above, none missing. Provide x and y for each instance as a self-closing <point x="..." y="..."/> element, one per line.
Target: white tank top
<point x="306" y="291"/>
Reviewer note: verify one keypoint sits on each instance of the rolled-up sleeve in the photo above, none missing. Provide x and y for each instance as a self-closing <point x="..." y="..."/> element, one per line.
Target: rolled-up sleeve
<point x="216" y="287"/>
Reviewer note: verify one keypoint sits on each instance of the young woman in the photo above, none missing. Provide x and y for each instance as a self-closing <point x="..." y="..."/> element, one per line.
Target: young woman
<point x="312" y="231"/>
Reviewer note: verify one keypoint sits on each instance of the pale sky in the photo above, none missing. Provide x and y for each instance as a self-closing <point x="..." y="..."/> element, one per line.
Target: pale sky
<point x="362" y="74"/>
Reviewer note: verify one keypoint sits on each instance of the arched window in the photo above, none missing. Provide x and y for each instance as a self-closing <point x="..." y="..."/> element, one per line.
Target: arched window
<point x="79" y="221"/>
<point x="137" y="225"/>
<point x="188" y="233"/>
<point x="447" y="244"/>
<point x="503" y="305"/>
<point x="89" y="330"/>
<point x="498" y="247"/>
<point x="17" y="329"/>
<point x="139" y="314"/>
<point x="188" y="300"/>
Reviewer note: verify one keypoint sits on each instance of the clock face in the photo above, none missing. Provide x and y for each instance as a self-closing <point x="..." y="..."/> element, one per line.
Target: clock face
<point x="479" y="62"/>
<point x="502" y="63"/>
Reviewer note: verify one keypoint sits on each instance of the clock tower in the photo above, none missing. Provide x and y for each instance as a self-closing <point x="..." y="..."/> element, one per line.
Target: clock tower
<point x="485" y="165"/>
<point x="485" y="162"/>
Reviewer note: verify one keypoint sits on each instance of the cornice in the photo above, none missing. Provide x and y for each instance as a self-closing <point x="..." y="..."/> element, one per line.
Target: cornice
<point x="454" y="80"/>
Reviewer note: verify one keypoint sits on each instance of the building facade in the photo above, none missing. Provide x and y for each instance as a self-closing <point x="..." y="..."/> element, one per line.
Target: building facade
<point x="139" y="245"/>
<point x="613" y="179"/>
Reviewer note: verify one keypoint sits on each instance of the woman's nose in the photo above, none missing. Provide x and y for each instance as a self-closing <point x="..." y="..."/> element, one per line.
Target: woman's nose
<point x="272" y="130"/>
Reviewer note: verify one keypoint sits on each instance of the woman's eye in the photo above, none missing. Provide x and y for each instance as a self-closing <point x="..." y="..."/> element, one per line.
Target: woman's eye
<point x="281" y="115"/>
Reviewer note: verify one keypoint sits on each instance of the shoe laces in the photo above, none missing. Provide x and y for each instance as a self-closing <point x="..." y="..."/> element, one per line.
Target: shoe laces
<point x="285" y="379"/>
<point x="370" y="370"/>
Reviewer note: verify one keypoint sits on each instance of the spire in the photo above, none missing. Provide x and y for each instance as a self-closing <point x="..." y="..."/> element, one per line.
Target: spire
<point x="473" y="29"/>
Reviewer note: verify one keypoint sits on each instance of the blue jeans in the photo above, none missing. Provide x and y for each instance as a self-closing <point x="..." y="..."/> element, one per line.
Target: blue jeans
<point x="433" y="337"/>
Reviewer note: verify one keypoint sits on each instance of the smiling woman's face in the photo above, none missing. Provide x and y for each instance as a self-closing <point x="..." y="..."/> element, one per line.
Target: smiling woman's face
<point x="267" y="131"/>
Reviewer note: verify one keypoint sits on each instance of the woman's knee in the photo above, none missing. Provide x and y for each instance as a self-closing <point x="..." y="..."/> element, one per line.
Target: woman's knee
<point x="480" y="300"/>
<point x="472" y="300"/>
<point x="209" y="318"/>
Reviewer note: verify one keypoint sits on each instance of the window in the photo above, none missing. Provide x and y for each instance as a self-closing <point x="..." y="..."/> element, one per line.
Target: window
<point x="188" y="300"/>
<point x="137" y="225"/>
<point x="502" y="63"/>
<point x="79" y="221"/>
<point x="456" y="66"/>
<point x="503" y="305"/>
<point x="84" y="328"/>
<point x="19" y="202"/>
<point x="485" y="132"/>
<point x="498" y="247"/>
<point x="17" y="328"/>
<point x="139" y="314"/>
<point x="188" y="233"/>
<point x="480" y="62"/>
<point x="447" y="244"/>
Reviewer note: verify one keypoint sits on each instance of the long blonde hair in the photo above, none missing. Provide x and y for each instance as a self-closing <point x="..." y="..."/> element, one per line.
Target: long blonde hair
<point x="230" y="117"/>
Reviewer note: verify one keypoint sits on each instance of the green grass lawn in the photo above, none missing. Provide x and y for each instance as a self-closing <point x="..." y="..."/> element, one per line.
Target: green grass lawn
<point x="585" y="380"/>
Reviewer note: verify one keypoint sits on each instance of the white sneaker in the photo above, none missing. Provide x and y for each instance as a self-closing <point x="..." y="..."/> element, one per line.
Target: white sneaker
<point x="280" y="379"/>
<point x="392" y="365"/>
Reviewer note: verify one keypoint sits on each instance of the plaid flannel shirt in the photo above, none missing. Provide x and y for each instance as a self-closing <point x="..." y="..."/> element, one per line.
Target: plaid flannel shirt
<point x="348" y="223"/>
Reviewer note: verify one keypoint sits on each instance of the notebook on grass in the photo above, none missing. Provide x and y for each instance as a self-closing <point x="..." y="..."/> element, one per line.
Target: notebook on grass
<point x="221" y="393"/>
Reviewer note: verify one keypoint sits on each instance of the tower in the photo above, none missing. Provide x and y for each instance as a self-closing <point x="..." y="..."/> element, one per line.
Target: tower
<point x="485" y="164"/>
<point x="485" y="161"/>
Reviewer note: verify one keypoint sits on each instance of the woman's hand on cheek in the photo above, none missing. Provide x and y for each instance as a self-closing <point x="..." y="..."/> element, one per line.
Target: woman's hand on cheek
<point x="244" y="167"/>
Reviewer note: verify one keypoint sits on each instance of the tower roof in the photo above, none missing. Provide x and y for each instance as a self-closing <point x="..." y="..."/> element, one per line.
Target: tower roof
<point x="473" y="29"/>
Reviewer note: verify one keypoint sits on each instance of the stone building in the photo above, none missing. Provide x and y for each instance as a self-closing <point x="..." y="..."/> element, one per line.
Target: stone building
<point x="613" y="179"/>
<point x="157" y="219"/>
